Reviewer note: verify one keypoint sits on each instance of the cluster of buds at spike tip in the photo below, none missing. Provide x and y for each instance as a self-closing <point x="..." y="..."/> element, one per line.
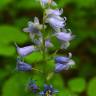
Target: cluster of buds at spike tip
<point x="45" y="3"/>
<point x="41" y="42"/>
<point x="49" y="1"/>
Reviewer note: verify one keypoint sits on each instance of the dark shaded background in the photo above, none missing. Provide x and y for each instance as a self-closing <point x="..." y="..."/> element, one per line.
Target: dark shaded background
<point x="81" y="19"/>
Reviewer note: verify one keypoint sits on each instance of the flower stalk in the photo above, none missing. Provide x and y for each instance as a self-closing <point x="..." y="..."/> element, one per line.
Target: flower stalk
<point x="43" y="39"/>
<point x="44" y="48"/>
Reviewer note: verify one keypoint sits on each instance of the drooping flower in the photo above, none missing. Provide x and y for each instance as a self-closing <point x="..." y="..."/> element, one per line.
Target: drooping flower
<point x="22" y="66"/>
<point x="54" y="19"/>
<point x="64" y="38"/>
<point x="63" y="63"/>
<point x="33" y="28"/>
<point x="56" y="22"/>
<point x="32" y="86"/>
<point x="59" y="67"/>
<point x="48" y="91"/>
<point x="62" y="59"/>
<point x="25" y="50"/>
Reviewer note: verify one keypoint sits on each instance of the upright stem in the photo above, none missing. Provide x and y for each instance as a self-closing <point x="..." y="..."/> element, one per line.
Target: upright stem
<point x="44" y="48"/>
<point x="43" y="45"/>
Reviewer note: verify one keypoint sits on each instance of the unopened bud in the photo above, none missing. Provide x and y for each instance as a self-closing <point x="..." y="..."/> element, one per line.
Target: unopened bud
<point x="49" y="1"/>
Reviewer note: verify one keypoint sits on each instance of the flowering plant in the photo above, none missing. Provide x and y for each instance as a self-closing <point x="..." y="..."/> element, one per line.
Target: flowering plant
<point x="42" y="42"/>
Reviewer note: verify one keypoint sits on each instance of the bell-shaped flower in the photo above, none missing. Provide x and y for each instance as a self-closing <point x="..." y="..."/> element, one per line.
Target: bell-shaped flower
<point x="32" y="86"/>
<point x="25" y="50"/>
<point x="59" y="67"/>
<point x="62" y="59"/>
<point x="33" y="28"/>
<point x="48" y="91"/>
<point x="56" y="22"/>
<point x="63" y="63"/>
<point x="22" y="66"/>
<point x="64" y="38"/>
<point x="54" y="19"/>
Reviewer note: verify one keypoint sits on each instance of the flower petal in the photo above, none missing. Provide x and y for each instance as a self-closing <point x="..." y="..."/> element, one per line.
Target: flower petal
<point x="64" y="36"/>
<point x="25" y="50"/>
<point x="36" y="20"/>
<point x="32" y="86"/>
<point x="48" y="43"/>
<point x="55" y="22"/>
<point x="22" y="66"/>
<point x="54" y="12"/>
<point x="59" y="67"/>
<point x="71" y="62"/>
<point x="62" y="59"/>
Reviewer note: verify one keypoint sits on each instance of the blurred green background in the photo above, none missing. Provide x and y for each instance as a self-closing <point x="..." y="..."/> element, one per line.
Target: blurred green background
<point x="81" y="19"/>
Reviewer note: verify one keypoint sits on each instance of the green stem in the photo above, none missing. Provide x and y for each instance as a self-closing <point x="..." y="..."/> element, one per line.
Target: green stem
<point x="43" y="39"/>
<point x="44" y="48"/>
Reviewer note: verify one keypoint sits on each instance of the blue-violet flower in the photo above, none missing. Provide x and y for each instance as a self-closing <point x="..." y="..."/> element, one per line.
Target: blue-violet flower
<point x="22" y="66"/>
<point x="32" y="86"/>
<point x="63" y="63"/>
<point x="25" y="50"/>
<point x="48" y="90"/>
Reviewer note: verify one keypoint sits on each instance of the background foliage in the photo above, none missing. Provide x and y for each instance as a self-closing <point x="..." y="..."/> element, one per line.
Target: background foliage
<point x="81" y="15"/>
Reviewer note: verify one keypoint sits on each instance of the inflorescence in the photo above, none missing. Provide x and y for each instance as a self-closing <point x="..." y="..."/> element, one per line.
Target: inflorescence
<point x="37" y="32"/>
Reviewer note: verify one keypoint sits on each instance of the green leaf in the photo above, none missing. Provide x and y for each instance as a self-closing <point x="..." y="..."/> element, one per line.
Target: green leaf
<point x="39" y="79"/>
<point x="54" y="81"/>
<point x="10" y="34"/>
<point x="15" y="86"/>
<point x="7" y="50"/>
<point x="77" y="84"/>
<point x="50" y="66"/>
<point x="65" y="92"/>
<point x="3" y="74"/>
<point x="34" y="57"/>
<point x="92" y="87"/>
